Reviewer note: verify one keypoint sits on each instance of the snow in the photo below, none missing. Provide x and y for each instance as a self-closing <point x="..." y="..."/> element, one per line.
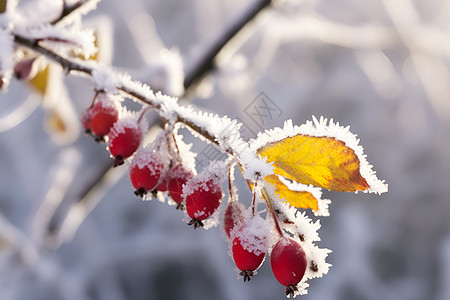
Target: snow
<point x="315" y="192"/>
<point x="81" y="41"/>
<point x="253" y="234"/>
<point x="105" y="79"/>
<point x="211" y="177"/>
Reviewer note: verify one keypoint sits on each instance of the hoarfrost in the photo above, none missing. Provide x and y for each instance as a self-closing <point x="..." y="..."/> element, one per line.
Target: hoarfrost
<point x="256" y="168"/>
<point x="210" y="177"/>
<point x="314" y="191"/>
<point x="105" y="79"/>
<point x="253" y="234"/>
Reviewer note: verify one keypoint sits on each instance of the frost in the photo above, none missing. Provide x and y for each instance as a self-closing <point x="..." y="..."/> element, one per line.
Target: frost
<point x="323" y="128"/>
<point x="186" y="156"/>
<point x="34" y="13"/>
<point x="256" y="168"/>
<point x="210" y="177"/>
<point x="253" y="234"/>
<point x="79" y="40"/>
<point x="86" y="7"/>
<point x="223" y="130"/>
<point x="105" y="80"/>
<point x="315" y="192"/>
<point x="147" y="157"/>
<point x="120" y="126"/>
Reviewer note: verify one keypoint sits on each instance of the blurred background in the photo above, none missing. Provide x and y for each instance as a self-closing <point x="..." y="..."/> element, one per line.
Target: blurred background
<point x="381" y="67"/>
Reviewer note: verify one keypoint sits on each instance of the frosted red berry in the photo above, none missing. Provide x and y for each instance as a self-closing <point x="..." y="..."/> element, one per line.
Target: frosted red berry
<point x="146" y="171"/>
<point x="246" y="261"/>
<point x="234" y="215"/>
<point x="104" y="114"/>
<point x="288" y="262"/>
<point x="202" y="200"/>
<point x="178" y="177"/>
<point x="124" y="139"/>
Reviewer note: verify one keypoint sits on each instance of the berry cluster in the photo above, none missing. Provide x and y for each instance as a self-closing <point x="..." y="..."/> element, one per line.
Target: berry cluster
<point x="163" y="167"/>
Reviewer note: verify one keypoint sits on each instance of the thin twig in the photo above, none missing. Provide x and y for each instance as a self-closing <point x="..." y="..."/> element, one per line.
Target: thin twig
<point x="206" y="62"/>
<point x="67" y="10"/>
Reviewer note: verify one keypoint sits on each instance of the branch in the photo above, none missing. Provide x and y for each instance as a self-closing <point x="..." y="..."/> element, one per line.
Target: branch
<point x="205" y="65"/>
<point x="68" y="9"/>
<point x="206" y="62"/>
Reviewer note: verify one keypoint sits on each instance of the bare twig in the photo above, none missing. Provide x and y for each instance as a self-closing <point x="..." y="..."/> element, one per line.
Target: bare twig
<point x="206" y="62"/>
<point x="68" y="9"/>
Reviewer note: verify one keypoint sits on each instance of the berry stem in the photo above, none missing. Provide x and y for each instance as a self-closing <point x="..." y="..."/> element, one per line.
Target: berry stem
<point x="254" y="199"/>
<point x="272" y="210"/>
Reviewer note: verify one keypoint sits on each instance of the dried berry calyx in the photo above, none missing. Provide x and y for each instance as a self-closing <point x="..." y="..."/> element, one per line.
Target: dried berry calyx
<point x="288" y="262"/>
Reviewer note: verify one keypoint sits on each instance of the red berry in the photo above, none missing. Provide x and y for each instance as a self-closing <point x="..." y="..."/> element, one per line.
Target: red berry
<point x="146" y="170"/>
<point x="247" y="260"/>
<point x="124" y="139"/>
<point x="104" y="114"/>
<point x="162" y="187"/>
<point x="233" y="216"/>
<point x="202" y="200"/>
<point x="288" y="262"/>
<point x="178" y="177"/>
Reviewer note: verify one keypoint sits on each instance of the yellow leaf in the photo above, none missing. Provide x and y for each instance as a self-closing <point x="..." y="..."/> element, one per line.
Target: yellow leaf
<point x="40" y="81"/>
<point x="319" y="153"/>
<point x="298" y="199"/>
<point x="321" y="161"/>
<point x="2" y="6"/>
<point x="95" y="56"/>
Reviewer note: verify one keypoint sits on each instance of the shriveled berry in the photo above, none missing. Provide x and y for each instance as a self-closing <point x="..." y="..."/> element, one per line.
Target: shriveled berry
<point x="146" y="170"/>
<point x="234" y="215"/>
<point x="178" y="177"/>
<point x="124" y="139"/>
<point x="104" y="114"/>
<point x="288" y="262"/>
<point x="202" y="200"/>
<point x="24" y="68"/>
